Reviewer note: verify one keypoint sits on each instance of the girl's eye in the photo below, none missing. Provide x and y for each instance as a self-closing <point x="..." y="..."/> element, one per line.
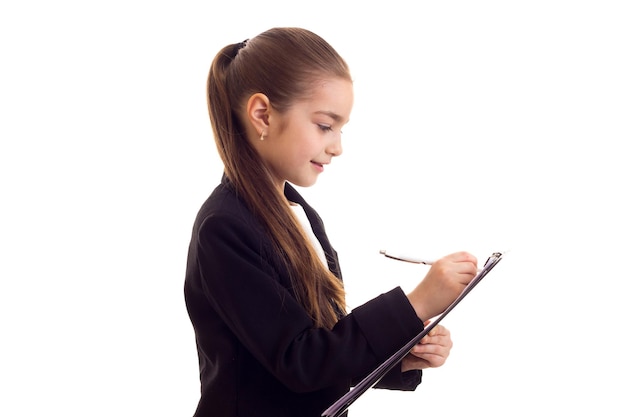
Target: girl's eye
<point x="325" y="128"/>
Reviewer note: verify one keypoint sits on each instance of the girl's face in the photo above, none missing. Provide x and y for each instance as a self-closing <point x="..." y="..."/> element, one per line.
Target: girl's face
<point x="300" y="142"/>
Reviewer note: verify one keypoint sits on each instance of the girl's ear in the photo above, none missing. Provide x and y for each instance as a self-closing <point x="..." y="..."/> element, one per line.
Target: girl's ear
<point x="258" y="111"/>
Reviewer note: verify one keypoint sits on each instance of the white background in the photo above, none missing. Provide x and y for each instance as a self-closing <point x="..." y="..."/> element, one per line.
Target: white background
<point x="478" y="125"/>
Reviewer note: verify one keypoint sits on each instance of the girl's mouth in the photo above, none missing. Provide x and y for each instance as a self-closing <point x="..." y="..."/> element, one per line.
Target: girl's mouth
<point x="319" y="166"/>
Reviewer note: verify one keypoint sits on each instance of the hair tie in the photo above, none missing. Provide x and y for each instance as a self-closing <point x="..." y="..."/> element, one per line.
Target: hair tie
<point x="241" y="45"/>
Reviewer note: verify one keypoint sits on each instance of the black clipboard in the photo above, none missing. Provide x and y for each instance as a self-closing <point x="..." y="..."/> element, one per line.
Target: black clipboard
<point x="342" y="404"/>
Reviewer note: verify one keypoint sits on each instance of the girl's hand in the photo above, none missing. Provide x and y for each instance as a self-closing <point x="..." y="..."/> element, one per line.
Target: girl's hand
<point x="431" y="352"/>
<point x="443" y="282"/>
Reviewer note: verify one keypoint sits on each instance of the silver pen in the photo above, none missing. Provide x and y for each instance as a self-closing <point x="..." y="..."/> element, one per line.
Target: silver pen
<point x="411" y="259"/>
<point x="401" y="257"/>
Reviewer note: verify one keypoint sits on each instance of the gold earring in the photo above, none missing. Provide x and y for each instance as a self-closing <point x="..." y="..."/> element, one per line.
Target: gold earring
<point x="263" y="135"/>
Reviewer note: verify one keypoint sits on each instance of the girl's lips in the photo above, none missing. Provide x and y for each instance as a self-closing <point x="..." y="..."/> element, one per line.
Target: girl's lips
<point x="318" y="165"/>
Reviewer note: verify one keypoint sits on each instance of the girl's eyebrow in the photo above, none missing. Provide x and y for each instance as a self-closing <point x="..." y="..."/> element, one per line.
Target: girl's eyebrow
<point x="332" y="115"/>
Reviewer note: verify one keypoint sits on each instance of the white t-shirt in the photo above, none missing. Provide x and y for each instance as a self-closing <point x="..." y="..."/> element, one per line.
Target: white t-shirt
<point x="304" y="221"/>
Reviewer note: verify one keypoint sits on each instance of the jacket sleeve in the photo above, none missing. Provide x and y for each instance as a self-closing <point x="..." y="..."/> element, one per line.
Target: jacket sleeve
<point x="251" y="295"/>
<point x="395" y="379"/>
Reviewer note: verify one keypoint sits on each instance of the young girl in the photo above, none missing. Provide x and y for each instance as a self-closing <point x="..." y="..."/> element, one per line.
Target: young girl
<point x="263" y="287"/>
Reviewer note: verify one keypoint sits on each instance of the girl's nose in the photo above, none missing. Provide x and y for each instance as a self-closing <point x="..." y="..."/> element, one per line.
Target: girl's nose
<point x="334" y="148"/>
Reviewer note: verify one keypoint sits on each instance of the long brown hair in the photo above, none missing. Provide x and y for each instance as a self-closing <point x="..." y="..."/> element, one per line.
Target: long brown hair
<point x="283" y="64"/>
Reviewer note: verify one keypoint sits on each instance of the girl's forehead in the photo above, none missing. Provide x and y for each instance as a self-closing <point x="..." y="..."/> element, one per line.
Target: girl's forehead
<point x="333" y="97"/>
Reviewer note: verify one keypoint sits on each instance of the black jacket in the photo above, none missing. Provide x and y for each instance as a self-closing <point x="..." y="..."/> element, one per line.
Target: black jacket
<point x="259" y="354"/>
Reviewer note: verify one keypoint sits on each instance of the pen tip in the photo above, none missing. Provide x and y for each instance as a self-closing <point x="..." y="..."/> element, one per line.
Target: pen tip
<point x="383" y="251"/>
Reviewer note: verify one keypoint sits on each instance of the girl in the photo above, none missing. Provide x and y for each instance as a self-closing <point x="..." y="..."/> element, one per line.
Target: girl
<point x="263" y="287"/>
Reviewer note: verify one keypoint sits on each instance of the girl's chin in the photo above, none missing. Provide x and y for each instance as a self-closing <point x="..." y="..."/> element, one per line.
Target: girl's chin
<point x="305" y="183"/>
